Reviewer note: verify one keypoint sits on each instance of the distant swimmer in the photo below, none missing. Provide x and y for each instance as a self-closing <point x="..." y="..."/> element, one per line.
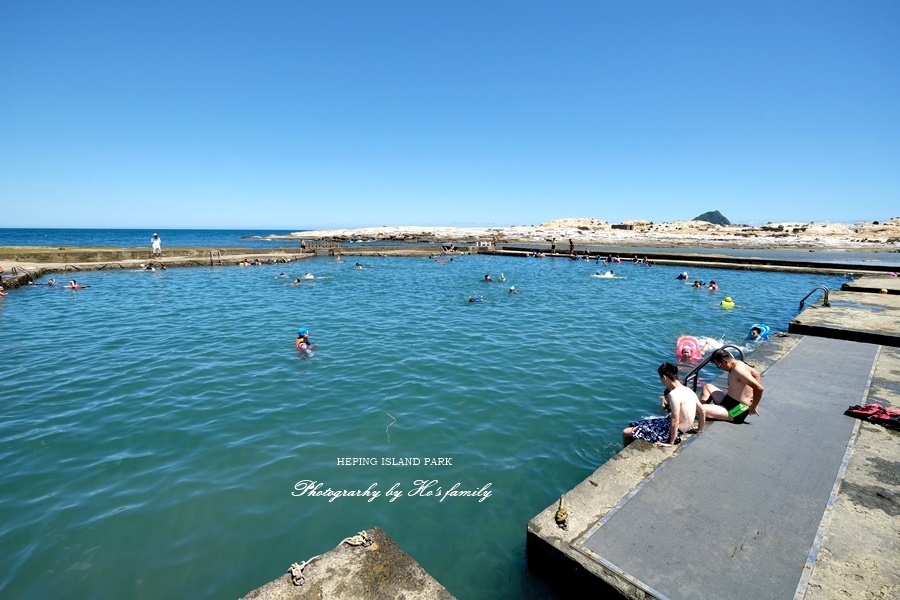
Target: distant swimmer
<point x="477" y="299"/>
<point x="713" y="286"/>
<point x="487" y="278"/>
<point x="309" y="276"/>
<point x="73" y="285"/>
<point x="727" y="302"/>
<point x="296" y="282"/>
<point x="683" y="276"/>
<point x="303" y="344"/>
<point x="513" y="290"/>
<point x="607" y="275"/>
<point x="502" y="277"/>
<point x="360" y="267"/>
<point x="51" y="282"/>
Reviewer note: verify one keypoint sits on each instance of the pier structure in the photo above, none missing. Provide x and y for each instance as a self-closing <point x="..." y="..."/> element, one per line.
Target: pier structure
<point x="799" y="502"/>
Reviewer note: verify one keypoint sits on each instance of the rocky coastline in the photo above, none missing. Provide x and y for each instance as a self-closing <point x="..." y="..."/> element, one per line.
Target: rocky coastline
<point x="874" y="236"/>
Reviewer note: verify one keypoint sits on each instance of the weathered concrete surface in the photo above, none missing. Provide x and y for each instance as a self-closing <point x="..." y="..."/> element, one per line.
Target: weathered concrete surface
<point x="860" y="553"/>
<point x="719" y="261"/>
<point x="549" y="547"/>
<point x="853" y="316"/>
<point x="873" y="284"/>
<point x="22" y="265"/>
<point x="377" y="571"/>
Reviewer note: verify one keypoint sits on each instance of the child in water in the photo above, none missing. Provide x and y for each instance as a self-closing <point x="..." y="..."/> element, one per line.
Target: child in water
<point x="303" y="344"/>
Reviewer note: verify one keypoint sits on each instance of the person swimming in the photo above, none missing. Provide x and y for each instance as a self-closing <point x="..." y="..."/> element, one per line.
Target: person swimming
<point x="303" y="344"/>
<point x="309" y="276"/>
<point x="487" y="277"/>
<point x="477" y="299"/>
<point x="513" y="290"/>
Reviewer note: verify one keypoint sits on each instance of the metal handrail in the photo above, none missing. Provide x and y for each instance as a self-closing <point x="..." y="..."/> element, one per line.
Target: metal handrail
<point x="16" y="268"/>
<point x="696" y="370"/>
<point x="824" y="300"/>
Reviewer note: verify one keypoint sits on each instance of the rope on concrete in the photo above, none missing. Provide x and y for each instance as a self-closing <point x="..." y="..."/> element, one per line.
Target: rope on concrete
<point x="360" y="539"/>
<point x="296" y="571"/>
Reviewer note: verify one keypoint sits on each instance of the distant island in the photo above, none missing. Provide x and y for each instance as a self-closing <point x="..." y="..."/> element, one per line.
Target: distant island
<point x="714" y="217"/>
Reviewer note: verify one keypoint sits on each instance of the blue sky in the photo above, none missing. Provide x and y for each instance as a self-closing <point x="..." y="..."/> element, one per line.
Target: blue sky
<point x="298" y="115"/>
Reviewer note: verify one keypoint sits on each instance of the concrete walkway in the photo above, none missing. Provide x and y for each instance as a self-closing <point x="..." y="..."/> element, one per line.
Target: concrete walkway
<point x="859" y="312"/>
<point x="738" y="514"/>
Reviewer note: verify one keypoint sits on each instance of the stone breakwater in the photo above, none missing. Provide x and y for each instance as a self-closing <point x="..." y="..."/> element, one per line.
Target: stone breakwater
<point x="880" y="236"/>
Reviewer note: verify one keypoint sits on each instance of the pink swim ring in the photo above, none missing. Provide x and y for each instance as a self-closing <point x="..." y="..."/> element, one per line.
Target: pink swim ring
<point x="687" y="347"/>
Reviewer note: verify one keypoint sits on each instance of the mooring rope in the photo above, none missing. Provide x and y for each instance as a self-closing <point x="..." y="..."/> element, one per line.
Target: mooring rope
<point x="360" y="539"/>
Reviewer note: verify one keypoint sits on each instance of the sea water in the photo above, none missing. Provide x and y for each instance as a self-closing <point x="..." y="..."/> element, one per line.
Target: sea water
<point x="160" y="431"/>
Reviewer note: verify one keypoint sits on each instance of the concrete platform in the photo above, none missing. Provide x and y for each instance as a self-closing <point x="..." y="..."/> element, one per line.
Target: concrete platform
<point x="853" y="315"/>
<point x="873" y="284"/>
<point x="369" y="566"/>
<point x="750" y="511"/>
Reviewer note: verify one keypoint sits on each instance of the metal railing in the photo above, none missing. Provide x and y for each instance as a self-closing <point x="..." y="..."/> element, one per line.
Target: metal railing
<point x="824" y="299"/>
<point x="695" y="372"/>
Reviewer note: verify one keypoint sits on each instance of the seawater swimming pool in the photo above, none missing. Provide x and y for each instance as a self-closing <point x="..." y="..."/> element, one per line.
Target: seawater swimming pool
<point x="156" y="424"/>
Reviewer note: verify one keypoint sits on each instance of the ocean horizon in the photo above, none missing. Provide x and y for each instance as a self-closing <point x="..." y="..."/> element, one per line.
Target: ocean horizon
<point x="255" y="238"/>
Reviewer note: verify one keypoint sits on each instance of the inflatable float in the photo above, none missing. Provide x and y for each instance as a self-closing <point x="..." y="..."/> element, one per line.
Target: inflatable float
<point x="688" y="348"/>
<point x="727" y="302"/>
<point x="764" y="332"/>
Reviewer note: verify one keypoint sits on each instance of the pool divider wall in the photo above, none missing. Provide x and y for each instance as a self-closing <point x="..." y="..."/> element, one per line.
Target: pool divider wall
<point x="551" y="551"/>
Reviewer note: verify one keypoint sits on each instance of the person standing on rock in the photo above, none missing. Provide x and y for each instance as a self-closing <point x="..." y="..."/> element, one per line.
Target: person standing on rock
<point x="156" y="245"/>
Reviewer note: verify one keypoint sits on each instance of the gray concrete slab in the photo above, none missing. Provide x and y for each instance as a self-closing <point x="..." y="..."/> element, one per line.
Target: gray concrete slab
<point x="854" y="316"/>
<point x="873" y="284"/>
<point x="737" y="514"/>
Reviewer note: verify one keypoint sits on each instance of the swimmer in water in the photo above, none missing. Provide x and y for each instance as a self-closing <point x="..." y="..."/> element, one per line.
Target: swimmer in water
<point x="303" y="342"/>
<point x="754" y="334"/>
<point x="513" y="290"/>
<point x="309" y="276"/>
<point x="713" y="286"/>
<point x="296" y="282"/>
<point x="477" y="299"/>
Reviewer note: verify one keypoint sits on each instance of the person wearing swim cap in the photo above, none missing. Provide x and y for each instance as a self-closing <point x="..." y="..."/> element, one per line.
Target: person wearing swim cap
<point x="744" y="392"/>
<point x="513" y="290"/>
<point x="303" y="338"/>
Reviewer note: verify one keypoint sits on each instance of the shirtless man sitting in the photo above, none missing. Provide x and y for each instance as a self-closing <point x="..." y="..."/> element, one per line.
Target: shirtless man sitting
<point x="744" y="391"/>
<point x="683" y="405"/>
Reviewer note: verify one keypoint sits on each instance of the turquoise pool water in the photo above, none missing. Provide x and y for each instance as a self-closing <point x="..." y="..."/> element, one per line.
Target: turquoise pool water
<point x="156" y="423"/>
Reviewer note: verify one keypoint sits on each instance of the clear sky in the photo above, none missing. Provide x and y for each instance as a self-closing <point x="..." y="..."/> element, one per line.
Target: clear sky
<point x="307" y="114"/>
